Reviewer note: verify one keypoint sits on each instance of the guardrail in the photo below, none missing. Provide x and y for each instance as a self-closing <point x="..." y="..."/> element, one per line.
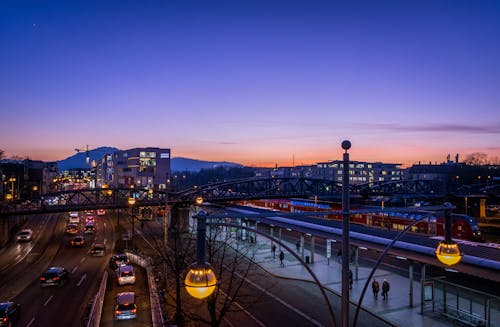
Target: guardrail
<point x="96" y="311"/>
<point x="156" y="311"/>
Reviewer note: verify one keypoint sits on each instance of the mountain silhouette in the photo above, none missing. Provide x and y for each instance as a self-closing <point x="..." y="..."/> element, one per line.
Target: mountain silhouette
<point x="179" y="164"/>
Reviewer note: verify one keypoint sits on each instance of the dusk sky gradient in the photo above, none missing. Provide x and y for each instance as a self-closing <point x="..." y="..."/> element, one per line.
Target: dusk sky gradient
<point x="253" y="82"/>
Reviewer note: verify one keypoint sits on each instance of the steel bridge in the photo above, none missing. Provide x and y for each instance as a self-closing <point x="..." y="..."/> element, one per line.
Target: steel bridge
<point x="249" y="188"/>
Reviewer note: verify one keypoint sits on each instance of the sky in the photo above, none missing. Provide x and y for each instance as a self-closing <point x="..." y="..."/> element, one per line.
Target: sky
<point x="253" y="82"/>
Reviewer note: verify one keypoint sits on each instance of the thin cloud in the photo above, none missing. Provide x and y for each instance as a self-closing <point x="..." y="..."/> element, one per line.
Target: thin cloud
<point x="483" y="129"/>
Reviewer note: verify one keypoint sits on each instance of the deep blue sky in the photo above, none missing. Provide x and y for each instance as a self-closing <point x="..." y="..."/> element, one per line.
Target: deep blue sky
<point x="256" y="82"/>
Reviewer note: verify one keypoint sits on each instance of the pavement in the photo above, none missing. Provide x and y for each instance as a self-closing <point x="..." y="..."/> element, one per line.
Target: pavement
<point x="396" y="309"/>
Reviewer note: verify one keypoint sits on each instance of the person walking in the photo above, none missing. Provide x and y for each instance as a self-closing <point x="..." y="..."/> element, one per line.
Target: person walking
<point x="282" y="256"/>
<point x="297" y="245"/>
<point x="339" y="256"/>
<point x="273" y="250"/>
<point x="375" y="288"/>
<point x="385" y="289"/>
<point x="350" y="279"/>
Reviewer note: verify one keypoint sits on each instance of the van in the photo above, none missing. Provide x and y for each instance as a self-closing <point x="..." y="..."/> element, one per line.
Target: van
<point x="125" y="307"/>
<point x="126" y="275"/>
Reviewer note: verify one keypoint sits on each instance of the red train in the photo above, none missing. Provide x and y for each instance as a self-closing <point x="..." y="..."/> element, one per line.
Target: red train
<point x="463" y="226"/>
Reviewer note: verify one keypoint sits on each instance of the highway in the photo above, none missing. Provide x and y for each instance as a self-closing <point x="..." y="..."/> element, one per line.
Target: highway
<point x="66" y="305"/>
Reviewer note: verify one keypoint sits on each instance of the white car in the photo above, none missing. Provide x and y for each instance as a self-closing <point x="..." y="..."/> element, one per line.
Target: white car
<point x="25" y="235"/>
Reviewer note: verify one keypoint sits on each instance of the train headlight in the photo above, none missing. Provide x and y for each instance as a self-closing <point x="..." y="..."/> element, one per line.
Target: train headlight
<point x="448" y="253"/>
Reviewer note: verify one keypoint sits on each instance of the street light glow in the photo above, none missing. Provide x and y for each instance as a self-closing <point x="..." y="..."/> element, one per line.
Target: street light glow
<point x="448" y="253"/>
<point x="200" y="281"/>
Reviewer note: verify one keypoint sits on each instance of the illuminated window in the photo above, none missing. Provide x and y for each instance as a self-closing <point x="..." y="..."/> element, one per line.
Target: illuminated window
<point x="144" y="154"/>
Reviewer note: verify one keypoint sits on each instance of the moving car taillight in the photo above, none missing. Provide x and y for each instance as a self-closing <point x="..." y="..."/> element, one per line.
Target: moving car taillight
<point x="134" y="310"/>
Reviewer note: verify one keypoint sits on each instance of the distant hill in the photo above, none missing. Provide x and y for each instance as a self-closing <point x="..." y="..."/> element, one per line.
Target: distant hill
<point x="78" y="161"/>
<point x="186" y="164"/>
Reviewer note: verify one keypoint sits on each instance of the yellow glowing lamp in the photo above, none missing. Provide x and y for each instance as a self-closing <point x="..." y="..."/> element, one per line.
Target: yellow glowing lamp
<point x="200" y="281"/>
<point x="199" y="200"/>
<point x="109" y="192"/>
<point x="8" y="196"/>
<point x="131" y="201"/>
<point x="448" y="253"/>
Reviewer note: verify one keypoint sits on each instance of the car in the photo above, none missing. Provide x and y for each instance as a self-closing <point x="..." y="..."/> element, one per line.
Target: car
<point x="73" y="220"/>
<point x="101" y="212"/>
<point x="72" y="229"/>
<point x="89" y="227"/>
<point x="78" y="241"/>
<point x="118" y="260"/>
<point x="25" y="235"/>
<point x="125" y="307"/>
<point x="54" y="276"/>
<point x="9" y="312"/>
<point x="126" y="275"/>
<point x="98" y="250"/>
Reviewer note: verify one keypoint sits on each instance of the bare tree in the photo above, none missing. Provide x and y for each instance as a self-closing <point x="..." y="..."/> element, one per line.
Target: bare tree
<point x="2" y="152"/>
<point x="476" y="159"/>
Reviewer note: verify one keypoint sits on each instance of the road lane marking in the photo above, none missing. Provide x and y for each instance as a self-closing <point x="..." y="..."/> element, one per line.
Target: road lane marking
<point x="83" y="259"/>
<point x="31" y="322"/>
<point x="81" y="280"/>
<point x="297" y="311"/>
<point x="104" y="241"/>
<point x="260" y="323"/>
<point x="48" y="300"/>
<point x="104" y="225"/>
<point x="74" y="269"/>
<point x="17" y="257"/>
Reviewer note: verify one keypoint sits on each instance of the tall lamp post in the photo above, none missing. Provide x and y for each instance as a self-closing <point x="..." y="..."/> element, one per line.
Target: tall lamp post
<point x="447" y="251"/>
<point x="346" y="145"/>
<point x="131" y="203"/>
<point x="200" y="281"/>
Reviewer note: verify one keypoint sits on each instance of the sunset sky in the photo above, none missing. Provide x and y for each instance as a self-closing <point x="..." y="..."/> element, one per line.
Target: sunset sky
<point x="253" y="82"/>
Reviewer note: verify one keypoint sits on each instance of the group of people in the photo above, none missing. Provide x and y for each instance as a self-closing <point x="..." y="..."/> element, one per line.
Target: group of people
<point x="385" y="289"/>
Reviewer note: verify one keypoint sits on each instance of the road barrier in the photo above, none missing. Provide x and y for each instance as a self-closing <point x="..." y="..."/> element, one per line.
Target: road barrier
<point x="156" y="311"/>
<point x="96" y="311"/>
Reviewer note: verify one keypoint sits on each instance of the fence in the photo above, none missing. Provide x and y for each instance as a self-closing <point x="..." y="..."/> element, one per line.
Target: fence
<point x="460" y="303"/>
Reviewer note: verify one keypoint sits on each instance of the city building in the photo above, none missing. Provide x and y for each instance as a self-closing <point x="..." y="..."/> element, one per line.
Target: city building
<point x="360" y="172"/>
<point x="139" y="168"/>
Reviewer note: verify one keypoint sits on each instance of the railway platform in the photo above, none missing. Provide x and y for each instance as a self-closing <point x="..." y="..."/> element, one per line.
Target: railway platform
<point x="396" y="310"/>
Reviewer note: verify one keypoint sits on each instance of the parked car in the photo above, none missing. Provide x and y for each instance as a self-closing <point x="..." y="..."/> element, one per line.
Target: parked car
<point x="25" y="235"/>
<point x="98" y="250"/>
<point x="118" y="260"/>
<point x="126" y="275"/>
<point x="78" y="241"/>
<point x="54" y="276"/>
<point x="101" y="212"/>
<point x="125" y="307"/>
<point x="9" y="312"/>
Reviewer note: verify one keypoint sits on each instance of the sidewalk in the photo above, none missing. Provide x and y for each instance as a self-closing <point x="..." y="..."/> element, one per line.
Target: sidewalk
<point x="396" y="309"/>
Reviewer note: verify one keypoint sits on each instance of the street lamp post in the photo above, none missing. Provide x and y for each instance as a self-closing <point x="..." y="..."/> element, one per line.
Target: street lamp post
<point x="131" y="203"/>
<point x="346" y="145"/>
<point x="447" y="251"/>
<point x="200" y="281"/>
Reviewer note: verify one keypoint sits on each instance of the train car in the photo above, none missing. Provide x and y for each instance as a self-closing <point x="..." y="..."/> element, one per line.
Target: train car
<point x="463" y="226"/>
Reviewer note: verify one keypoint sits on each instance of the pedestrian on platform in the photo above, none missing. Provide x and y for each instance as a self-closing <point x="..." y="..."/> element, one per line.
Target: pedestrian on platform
<point x="375" y="288"/>
<point x="273" y="250"/>
<point x="385" y="289"/>
<point x="339" y="256"/>
<point x="282" y="256"/>
<point x="297" y="245"/>
<point x="350" y="279"/>
<point x="479" y="323"/>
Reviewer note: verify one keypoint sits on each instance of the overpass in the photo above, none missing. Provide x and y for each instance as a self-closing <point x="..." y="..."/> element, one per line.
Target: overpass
<point x="249" y="188"/>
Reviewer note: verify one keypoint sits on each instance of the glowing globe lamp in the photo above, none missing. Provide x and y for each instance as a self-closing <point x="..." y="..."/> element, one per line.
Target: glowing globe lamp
<point x="200" y="280"/>
<point x="448" y="253"/>
<point x="199" y="200"/>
